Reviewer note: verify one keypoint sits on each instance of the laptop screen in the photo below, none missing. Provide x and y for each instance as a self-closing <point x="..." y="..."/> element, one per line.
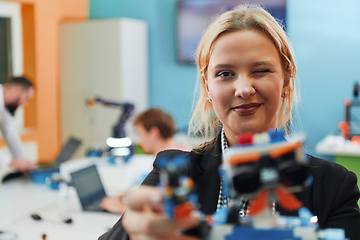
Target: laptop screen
<point x="88" y="185"/>
<point x="67" y="150"/>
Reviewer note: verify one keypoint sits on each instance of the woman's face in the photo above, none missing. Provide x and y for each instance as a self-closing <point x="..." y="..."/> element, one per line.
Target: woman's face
<point x="245" y="82"/>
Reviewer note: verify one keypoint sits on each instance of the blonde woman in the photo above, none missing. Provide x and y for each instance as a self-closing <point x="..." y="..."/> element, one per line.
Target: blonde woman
<point x="247" y="84"/>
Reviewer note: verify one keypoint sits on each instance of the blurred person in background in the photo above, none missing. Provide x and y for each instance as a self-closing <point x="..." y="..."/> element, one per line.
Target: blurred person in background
<point x="156" y="130"/>
<point x="13" y="94"/>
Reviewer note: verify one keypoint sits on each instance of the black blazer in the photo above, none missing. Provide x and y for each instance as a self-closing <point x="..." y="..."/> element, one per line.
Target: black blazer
<point x="332" y="197"/>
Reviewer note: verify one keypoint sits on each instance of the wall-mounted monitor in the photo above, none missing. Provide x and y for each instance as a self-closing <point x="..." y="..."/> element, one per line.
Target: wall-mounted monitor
<point x="193" y="16"/>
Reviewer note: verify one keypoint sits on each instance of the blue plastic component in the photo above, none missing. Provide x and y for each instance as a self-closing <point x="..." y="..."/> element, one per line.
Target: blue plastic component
<point x="39" y="175"/>
<point x="161" y="162"/>
<point x="180" y="161"/>
<point x="169" y="206"/>
<point x="332" y="234"/>
<point x="94" y="153"/>
<point x="172" y="164"/>
<point x="111" y="160"/>
<point x="219" y="217"/>
<point x="309" y="180"/>
<point x="193" y="198"/>
<point x="305" y="215"/>
<point x="260" y="234"/>
<point x="174" y="183"/>
<point x="52" y="184"/>
<point x="128" y="157"/>
<point x="276" y="135"/>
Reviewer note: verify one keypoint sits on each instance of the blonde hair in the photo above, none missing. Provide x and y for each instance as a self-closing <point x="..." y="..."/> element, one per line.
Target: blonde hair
<point x="248" y="17"/>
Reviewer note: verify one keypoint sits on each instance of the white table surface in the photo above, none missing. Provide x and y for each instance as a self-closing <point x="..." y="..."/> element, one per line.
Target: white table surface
<point x="337" y="146"/>
<point x="19" y="198"/>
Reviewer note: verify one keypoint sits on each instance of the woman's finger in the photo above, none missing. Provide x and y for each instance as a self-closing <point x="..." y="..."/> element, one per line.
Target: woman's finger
<point x="143" y="196"/>
<point x="189" y="222"/>
<point x="164" y="225"/>
<point x="147" y="222"/>
<point x="155" y="224"/>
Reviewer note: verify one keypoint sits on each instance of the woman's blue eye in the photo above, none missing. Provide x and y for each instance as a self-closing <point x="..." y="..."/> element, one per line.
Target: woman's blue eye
<point x="224" y="74"/>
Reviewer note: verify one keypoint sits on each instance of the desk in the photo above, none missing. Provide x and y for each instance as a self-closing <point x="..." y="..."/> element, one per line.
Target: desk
<point x="19" y="198"/>
<point x="346" y="153"/>
<point x="337" y="146"/>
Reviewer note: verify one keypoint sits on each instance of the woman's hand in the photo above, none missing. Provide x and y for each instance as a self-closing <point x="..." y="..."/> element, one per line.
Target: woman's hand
<point x="113" y="204"/>
<point x="144" y="217"/>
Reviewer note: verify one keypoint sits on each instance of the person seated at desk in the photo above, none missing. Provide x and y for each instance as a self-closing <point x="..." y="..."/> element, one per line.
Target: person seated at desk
<point x="156" y="130"/>
<point x="247" y="79"/>
<point x="14" y="93"/>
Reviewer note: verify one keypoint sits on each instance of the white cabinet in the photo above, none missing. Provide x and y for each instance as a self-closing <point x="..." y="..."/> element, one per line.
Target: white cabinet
<point x="107" y="58"/>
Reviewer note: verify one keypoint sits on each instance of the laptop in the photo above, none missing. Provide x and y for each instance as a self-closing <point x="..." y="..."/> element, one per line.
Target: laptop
<point x="66" y="152"/>
<point x="89" y="188"/>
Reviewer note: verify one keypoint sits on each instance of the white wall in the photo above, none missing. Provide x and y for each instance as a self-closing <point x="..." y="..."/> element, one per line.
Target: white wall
<point x="104" y="58"/>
